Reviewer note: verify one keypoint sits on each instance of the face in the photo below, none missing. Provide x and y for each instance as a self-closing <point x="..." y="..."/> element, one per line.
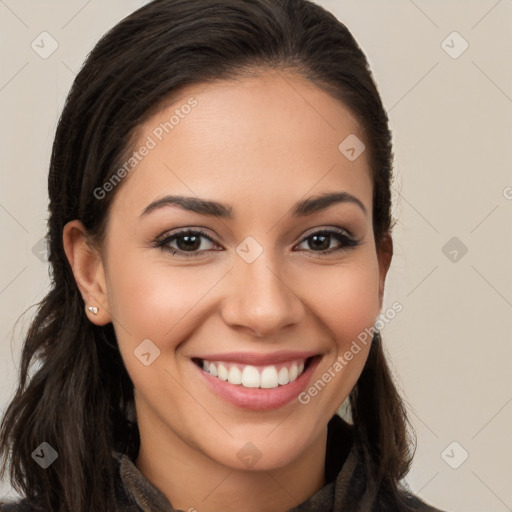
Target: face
<point x="251" y="288"/>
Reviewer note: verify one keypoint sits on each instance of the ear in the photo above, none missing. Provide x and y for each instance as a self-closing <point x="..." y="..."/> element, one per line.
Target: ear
<point x="88" y="270"/>
<point x="384" y="255"/>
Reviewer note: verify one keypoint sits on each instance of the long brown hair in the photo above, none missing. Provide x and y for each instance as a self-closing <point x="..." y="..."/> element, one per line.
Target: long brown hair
<point x="74" y="392"/>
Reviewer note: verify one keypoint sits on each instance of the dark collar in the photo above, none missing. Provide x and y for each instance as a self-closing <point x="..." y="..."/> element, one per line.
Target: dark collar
<point x="342" y="467"/>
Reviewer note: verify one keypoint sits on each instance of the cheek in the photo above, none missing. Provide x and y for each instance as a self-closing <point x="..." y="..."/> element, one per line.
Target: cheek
<point x="152" y="300"/>
<point x="346" y="299"/>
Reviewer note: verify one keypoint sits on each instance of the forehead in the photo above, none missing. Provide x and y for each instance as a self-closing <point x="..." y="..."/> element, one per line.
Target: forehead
<point x="275" y="135"/>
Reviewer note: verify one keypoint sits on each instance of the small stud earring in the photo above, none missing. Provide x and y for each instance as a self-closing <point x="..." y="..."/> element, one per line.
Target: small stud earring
<point x="93" y="310"/>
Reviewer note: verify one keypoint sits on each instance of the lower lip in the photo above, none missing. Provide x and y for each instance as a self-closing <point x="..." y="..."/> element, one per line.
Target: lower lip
<point x="258" y="399"/>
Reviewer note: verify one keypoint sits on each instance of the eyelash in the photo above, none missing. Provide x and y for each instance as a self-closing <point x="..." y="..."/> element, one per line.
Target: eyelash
<point x="164" y="241"/>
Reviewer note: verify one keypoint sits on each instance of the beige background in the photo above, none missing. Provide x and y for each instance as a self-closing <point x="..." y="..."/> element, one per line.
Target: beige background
<point x="452" y="123"/>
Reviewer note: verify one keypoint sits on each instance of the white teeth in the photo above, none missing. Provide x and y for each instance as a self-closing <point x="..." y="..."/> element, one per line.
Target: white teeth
<point x="252" y="377"/>
<point x="294" y="372"/>
<point x="235" y="375"/>
<point x="213" y="370"/>
<point x="222" y="372"/>
<point x="283" y="377"/>
<point x="269" y="378"/>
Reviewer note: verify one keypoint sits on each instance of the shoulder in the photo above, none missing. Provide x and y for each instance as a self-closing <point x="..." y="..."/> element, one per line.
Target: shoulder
<point x="407" y="502"/>
<point x="418" y="504"/>
<point x="21" y="505"/>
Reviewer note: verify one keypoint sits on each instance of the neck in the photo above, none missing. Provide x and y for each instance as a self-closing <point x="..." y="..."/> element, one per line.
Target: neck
<point x="191" y="480"/>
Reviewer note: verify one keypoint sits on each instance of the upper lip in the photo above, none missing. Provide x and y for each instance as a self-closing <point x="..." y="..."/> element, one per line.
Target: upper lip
<point x="258" y="359"/>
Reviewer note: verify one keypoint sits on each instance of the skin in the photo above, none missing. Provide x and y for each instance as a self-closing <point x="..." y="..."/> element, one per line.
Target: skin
<point x="258" y="144"/>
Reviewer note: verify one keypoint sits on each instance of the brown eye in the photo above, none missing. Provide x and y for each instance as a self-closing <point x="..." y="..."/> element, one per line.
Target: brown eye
<point x="320" y="241"/>
<point x="186" y="242"/>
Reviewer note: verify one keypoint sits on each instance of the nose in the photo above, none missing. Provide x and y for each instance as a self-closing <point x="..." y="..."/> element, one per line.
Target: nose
<point x="261" y="301"/>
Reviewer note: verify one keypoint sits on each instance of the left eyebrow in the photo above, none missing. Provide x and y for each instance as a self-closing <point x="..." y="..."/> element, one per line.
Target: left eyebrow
<point x="215" y="209"/>
<point x="312" y="205"/>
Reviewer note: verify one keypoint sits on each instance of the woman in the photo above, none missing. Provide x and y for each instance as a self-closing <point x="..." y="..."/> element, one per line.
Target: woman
<point x="220" y="235"/>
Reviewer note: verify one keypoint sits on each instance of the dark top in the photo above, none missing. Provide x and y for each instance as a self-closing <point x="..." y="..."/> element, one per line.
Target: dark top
<point x="347" y="487"/>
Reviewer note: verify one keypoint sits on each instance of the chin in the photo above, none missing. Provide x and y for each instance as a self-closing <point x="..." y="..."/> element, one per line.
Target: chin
<point x="258" y="450"/>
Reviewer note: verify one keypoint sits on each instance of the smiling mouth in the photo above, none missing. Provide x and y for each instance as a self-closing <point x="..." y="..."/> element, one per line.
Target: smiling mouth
<point x="252" y="376"/>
